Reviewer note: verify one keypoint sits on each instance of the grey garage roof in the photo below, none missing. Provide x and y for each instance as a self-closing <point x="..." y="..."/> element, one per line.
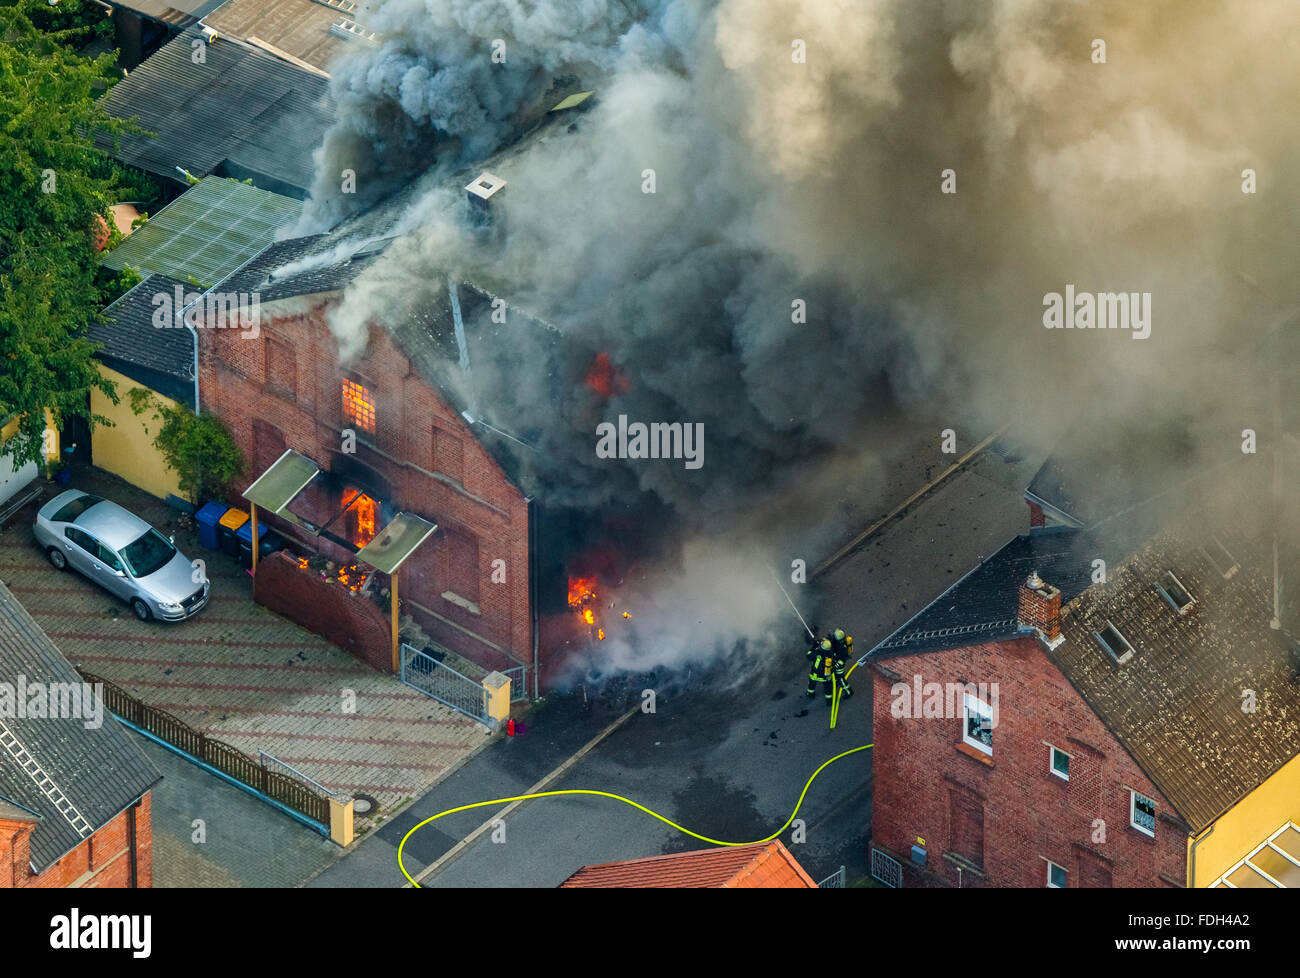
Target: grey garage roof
<point x="240" y="113"/>
<point x="76" y="779"/>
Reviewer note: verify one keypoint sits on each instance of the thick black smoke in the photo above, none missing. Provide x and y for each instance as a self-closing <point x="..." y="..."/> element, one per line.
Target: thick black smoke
<point x="780" y="178"/>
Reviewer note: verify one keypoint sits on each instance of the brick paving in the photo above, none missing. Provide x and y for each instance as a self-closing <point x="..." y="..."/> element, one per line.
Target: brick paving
<point x="240" y="673"/>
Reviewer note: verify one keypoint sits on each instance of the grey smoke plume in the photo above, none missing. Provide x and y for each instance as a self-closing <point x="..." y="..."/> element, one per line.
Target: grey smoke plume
<point x="820" y="181"/>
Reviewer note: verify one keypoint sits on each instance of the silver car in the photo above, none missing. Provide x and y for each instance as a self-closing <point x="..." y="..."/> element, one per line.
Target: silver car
<point x="121" y="553"/>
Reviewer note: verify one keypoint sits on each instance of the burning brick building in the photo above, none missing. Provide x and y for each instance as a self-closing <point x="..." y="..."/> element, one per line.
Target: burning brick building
<point x="389" y="433"/>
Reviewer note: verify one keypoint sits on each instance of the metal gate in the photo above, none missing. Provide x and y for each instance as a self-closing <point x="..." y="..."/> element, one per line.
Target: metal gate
<point x="443" y="683"/>
<point x="833" y="882"/>
<point x="886" y="869"/>
<point x="518" y="683"/>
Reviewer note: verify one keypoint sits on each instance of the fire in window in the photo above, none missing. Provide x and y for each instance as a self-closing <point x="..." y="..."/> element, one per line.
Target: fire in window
<point x="358" y="406"/>
<point x="360" y="517"/>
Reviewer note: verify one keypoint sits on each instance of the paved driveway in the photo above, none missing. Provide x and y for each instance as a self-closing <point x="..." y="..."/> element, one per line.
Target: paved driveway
<point x="242" y="674"/>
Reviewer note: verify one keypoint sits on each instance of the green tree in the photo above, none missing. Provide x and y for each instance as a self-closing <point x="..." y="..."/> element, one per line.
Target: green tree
<point x="198" y="448"/>
<point x="58" y="190"/>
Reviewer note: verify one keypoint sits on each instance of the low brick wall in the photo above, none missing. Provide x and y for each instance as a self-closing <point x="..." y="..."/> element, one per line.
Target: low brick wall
<point x="342" y="617"/>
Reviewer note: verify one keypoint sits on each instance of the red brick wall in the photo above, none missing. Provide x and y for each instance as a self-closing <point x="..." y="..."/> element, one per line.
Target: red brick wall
<point x="102" y="861"/>
<point x="1036" y="517"/>
<point x="349" y="621"/>
<point x="474" y="502"/>
<point x="925" y="779"/>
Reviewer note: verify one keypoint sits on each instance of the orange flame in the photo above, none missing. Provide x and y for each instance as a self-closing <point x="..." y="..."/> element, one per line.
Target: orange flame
<point x="605" y="378"/>
<point x="362" y="517"/>
<point x="581" y="590"/>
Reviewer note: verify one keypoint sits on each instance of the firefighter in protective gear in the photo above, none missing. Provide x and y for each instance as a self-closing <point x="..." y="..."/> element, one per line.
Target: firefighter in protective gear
<point x="821" y="671"/>
<point x="843" y="643"/>
<point x="842" y="651"/>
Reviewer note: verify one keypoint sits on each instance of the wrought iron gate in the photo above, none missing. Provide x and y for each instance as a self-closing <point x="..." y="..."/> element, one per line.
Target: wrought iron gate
<point x="886" y="869"/>
<point x="443" y="683"/>
<point x="518" y="683"/>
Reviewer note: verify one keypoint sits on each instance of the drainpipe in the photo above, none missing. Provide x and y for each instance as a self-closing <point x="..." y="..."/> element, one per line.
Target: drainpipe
<point x="1191" y="862"/>
<point x="195" y="333"/>
<point x="133" y="881"/>
<point x="532" y="583"/>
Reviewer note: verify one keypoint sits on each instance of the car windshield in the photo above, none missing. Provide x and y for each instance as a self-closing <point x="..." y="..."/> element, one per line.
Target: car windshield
<point x="148" y="553"/>
<point x="70" y="510"/>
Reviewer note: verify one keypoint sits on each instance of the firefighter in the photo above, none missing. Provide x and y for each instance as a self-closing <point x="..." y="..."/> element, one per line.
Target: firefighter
<point x="820" y="669"/>
<point x="843" y="643"/>
<point x="842" y="646"/>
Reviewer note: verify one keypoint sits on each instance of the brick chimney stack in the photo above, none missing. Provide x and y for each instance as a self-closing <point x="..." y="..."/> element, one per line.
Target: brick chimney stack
<point x="1040" y="609"/>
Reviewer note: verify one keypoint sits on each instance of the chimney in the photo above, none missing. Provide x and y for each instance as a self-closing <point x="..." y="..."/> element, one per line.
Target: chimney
<point x="479" y="192"/>
<point x="1040" y="610"/>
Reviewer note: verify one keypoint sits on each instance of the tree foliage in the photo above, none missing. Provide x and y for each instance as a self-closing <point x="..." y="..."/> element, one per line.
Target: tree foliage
<point x="198" y="448"/>
<point x="58" y="190"/>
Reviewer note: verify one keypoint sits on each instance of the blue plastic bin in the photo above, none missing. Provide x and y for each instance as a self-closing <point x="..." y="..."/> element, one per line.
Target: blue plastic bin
<point x="208" y="517"/>
<point x="268" y="541"/>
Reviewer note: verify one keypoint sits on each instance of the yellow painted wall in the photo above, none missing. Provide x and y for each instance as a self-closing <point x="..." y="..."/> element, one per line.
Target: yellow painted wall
<point x="126" y="449"/>
<point x="10" y="429"/>
<point x="1248" y="823"/>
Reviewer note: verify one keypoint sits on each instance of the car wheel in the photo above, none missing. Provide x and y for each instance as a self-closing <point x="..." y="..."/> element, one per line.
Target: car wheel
<point x="59" y="561"/>
<point x="141" y="609"/>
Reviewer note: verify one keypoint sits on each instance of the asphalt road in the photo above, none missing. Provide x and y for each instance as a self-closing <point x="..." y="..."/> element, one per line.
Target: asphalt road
<point x="729" y="765"/>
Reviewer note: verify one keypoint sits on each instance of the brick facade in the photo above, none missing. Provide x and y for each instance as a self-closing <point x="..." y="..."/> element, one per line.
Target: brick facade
<point x="102" y="861"/>
<point x="284" y="389"/>
<point x="1000" y="817"/>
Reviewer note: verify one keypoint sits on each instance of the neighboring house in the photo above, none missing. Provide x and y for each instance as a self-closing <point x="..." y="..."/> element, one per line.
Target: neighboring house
<point x="1134" y="732"/>
<point x="205" y="234"/>
<point x="766" y="866"/>
<point x="222" y="107"/>
<point x="74" y="799"/>
<point x="135" y="354"/>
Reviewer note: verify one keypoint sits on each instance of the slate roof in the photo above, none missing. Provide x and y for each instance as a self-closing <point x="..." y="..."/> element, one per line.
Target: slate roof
<point x="207" y="232"/>
<point x="1176" y="705"/>
<point x="768" y="866"/>
<point x="100" y="772"/>
<point x="161" y="359"/>
<point x="982" y="606"/>
<point x="242" y="113"/>
<point x="300" y="266"/>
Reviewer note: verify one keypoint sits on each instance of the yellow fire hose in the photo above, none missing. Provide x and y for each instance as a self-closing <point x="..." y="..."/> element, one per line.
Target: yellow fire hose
<point x="627" y="801"/>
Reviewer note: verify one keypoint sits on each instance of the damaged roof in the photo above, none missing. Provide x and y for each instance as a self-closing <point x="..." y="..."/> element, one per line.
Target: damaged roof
<point x="74" y="778"/>
<point x="241" y="113"/>
<point x="766" y="866"/>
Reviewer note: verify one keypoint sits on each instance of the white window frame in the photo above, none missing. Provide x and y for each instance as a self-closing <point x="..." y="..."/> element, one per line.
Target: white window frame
<point x="1133" y="796"/>
<point x="980" y="708"/>
<point x="1051" y="762"/>
<point x="1064" y="873"/>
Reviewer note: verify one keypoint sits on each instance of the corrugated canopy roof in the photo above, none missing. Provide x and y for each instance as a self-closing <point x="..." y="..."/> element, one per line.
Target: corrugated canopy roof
<point x="395" y="542"/>
<point x="276" y="488"/>
<point x="207" y="232"/>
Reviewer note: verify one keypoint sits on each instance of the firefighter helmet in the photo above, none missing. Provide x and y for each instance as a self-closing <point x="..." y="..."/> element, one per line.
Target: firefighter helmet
<point x="826" y="645"/>
<point x="839" y="635"/>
